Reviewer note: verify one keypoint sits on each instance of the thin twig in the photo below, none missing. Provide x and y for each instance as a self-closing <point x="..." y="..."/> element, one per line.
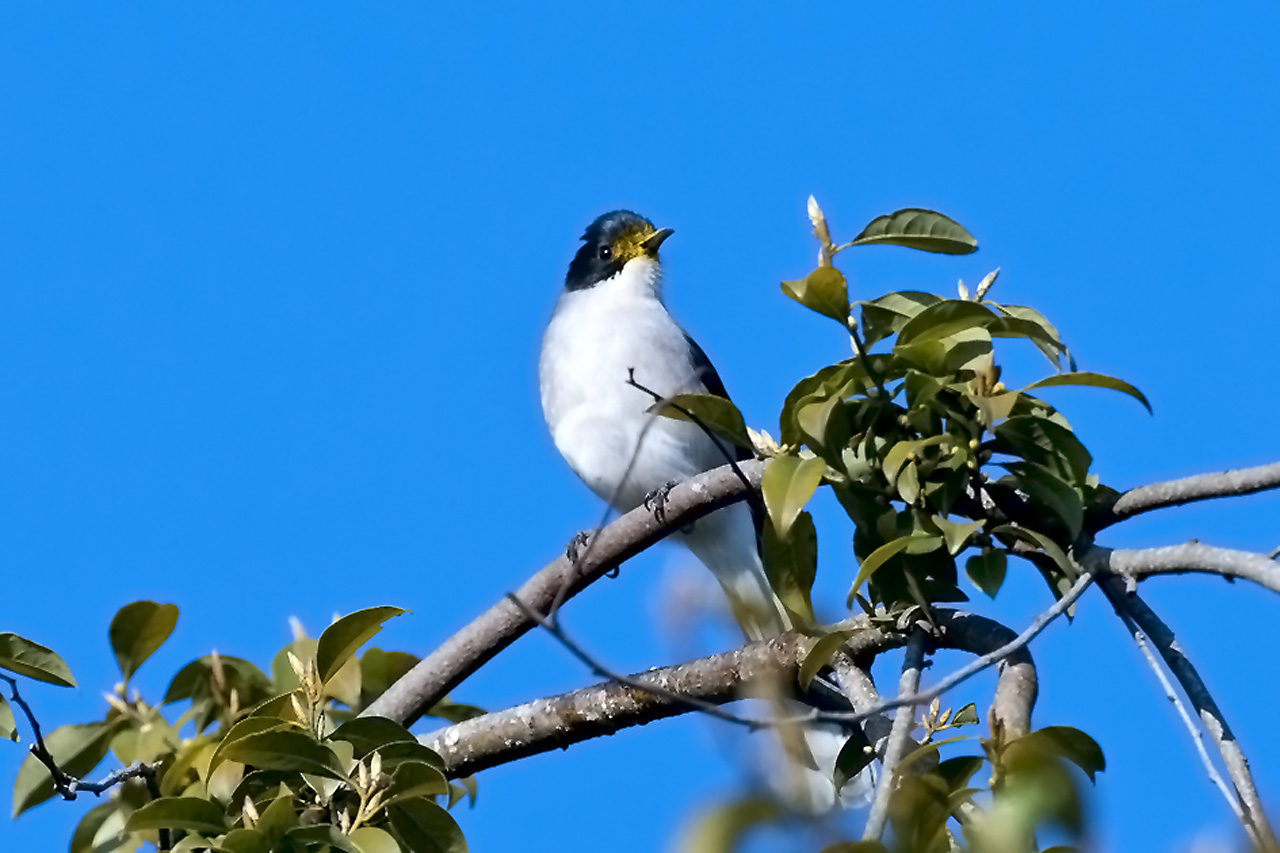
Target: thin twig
<point x="1211" y="716"/>
<point x="1241" y="481"/>
<point x="908" y="686"/>
<point x="1197" y="734"/>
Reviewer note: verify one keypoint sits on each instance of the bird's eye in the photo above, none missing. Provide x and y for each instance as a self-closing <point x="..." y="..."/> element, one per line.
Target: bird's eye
<point x="605" y="253"/>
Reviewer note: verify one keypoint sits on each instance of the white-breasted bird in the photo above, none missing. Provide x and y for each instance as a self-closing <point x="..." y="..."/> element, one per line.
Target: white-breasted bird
<point x="610" y="325"/>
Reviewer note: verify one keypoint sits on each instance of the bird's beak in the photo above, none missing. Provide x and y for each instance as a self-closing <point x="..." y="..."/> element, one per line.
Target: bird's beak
<point x="654" y="240"/>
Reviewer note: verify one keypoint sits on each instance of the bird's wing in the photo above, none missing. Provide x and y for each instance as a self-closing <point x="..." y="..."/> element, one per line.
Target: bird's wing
<point x="714" y="385"/>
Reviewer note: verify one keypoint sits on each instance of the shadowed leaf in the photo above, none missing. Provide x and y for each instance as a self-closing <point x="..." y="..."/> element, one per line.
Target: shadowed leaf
<point x="8" y="725"/>
<point x="716" y="413"/>
<point x="137" y="630"/>
<point x="791" y="563"/>
<point x="424" y="827"/>
<point x="987" y="569"/>
<point x="281" y="749"/>
<point x="919" y="543"/>
<point x="20" y="655"/>
<point x="340" y="640"/>
<point x="1094" y="380"/>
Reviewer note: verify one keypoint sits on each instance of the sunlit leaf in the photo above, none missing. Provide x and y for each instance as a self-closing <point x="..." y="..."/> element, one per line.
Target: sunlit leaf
<point x="1095" y="380"/>
<point x="787" y="484"/>
<point x="281" y="749"/>
<point x="371" y="839"/>
<point x="945" y="319"/>
<point x="137" y="630"/>
<point x="20" y="655"/>
<point x="715" y="413"/>
<point x="8" y="725"/>
<point x="956" y="534"/>
<point x="192" y="813"/>
<point x="886" y="315"/>
<point x="340" y="640"/>
<point x="823" y="290"/>
<point x="413" y="779"/>
<point x="917" y="228"/>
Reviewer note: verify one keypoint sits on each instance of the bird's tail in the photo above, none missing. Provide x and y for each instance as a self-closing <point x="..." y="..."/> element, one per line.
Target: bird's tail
<point x="725" y="542"/>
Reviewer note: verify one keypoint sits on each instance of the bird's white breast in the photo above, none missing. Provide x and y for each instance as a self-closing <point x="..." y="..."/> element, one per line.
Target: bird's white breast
<point x="600" y="423"/>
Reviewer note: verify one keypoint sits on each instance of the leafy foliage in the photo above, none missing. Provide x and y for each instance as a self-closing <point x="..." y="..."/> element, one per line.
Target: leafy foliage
<point x="255" y="763"/>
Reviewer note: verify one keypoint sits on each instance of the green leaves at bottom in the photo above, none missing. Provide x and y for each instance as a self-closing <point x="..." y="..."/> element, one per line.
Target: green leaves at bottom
<point x="721" y="829"/>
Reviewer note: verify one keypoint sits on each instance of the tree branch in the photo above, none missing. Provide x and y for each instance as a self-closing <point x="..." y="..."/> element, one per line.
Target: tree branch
<point x="1129" y="605"/>
<point x="908" y="685"/>
<point x="1241" y="481"/>
<point x="1180" y="559"/>
<point x="602" y="709"/>
<point x="504" y="623"/>
<point x="1197" y="734"/>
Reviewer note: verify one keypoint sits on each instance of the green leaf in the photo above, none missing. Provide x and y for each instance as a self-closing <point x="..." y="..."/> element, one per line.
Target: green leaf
<point x="959" y="770"/>
<point x="281" y="749"/>
<point x="340" y="640"/>
<point x="944" y="320"/>
<point x="855" y="847"/>
<point x="966" y="716"/>
<point x="919" y="543"/>
<point x="8" y="725"/>
<point x="987" y="569"/>
<point x="888" y="314"/>
<point x="787" y="484"/>
<point x="716" y="413"/>
<point x="956" y="534"/>
<point x="245" y="841"/>
<point x="791" y="564"/>
<point x="370" y="839"/>
<point x="329" y="836"/>
<point x="721" y="829"/>
<point x="109" y="815"/>
<point x="1095" y="380"/>
<point x="824" y="290"/>
<point x="365" y="734"/>
<point x="455" y="712"/>
<point x="193" y="813"/>
<point x="820" y="654"/>
<point x="928" y="749"/>
<point x="908" y="483"/>
<point x="137" y="630"/>
<point x="379" y="670"/>
<point x="1045" y="442"/>
<point x="424" y="827"/>
<point x="412" y="780"/>
<point x="853" y="757"/>
<point x="77" y="749"/>
<point x="916" y="228"/>
<point x="1069" y="743"/>
<point x="1050" y="491"/>
<point x="1044" y="543"/>
<point x="20" y="655"/>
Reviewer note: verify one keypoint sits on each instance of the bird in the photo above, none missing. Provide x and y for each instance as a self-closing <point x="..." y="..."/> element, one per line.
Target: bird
<point x="610" y="342"/>
<point x="609" y="334"/>
<point x="611" y="345"/>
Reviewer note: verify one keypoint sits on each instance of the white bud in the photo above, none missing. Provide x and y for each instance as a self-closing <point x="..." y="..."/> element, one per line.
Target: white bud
<point x="964" y="291"/>
<point x="985" y="285"/>
<point x="249" y="813"/>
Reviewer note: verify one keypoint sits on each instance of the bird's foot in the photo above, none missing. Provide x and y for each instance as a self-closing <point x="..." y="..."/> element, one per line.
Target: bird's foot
<point x="574" y="549"/>
<point x="656" y="501"/>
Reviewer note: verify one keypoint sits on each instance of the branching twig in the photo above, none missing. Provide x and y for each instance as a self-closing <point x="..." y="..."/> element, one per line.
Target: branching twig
<point x="69" y="786"/>
<point x="1129" y="604"/>
<point x="908" y="685"/>
<point x="1197" y="735"/>
<point x="1242" y="481"/>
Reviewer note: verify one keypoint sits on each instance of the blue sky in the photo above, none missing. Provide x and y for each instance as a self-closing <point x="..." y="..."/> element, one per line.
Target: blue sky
<point x="274" y="278"/>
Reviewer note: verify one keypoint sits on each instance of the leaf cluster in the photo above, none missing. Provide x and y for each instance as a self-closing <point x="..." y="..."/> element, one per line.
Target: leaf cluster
<point x="256" y="762"/>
